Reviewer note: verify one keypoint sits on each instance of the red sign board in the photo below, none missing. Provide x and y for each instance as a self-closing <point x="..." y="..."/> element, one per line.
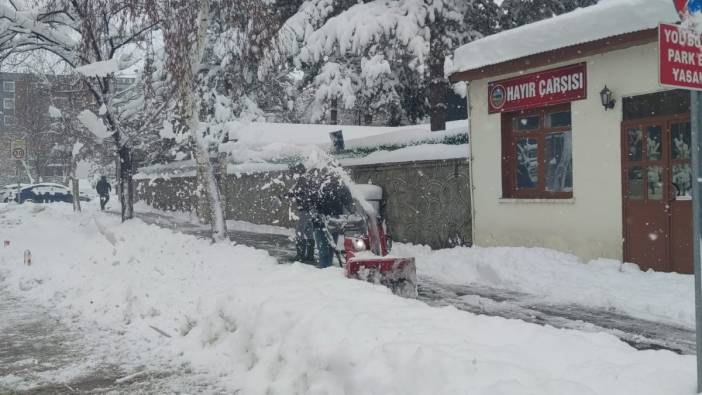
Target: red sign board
<point x="545" y="88"/>
<point x="680" y="57"/>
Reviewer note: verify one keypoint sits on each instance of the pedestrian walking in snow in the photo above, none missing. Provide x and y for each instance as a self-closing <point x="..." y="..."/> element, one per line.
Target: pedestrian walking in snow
<point x="103" y="189"/>
<point x="301" y="194"/>
<point x="331" y="198"/>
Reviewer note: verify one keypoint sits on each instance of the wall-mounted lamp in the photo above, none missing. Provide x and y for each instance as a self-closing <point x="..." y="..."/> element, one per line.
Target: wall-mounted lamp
<point x="606" y="97"/>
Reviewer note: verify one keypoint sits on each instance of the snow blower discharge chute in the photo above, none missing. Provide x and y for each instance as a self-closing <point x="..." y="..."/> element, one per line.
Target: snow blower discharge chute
<point x="365" y="250"/>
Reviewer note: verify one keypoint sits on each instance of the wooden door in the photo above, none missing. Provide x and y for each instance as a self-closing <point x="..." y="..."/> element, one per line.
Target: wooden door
<point x="657" y="193"/>
<point x="679" y="139"/>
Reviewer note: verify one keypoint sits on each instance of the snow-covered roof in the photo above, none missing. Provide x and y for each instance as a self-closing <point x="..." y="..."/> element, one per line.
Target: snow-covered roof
<point x="608" y="18"/>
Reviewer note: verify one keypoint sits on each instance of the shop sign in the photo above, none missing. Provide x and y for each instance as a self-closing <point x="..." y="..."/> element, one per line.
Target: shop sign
<point x="544" y="88"/>
<point x="679" y="57"/>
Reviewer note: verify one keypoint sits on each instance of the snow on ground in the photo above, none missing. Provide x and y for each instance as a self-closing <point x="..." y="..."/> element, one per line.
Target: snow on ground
<point x="560" y="278"/>
<point x="549" y="276"/>
<point x="261" y="327"/>
<point x="187" y="218"/>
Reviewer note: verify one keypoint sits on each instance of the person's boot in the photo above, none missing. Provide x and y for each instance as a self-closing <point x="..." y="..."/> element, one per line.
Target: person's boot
<point x="309" y="251"/>
<point x="300" y="250"/>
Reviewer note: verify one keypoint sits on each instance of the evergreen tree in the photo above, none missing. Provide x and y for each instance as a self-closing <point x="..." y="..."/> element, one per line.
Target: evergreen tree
<point x="410" y="37"/>
<point x="521" y="12"/>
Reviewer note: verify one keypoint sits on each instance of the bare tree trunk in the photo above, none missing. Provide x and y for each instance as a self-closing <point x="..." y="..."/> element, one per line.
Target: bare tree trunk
<point x="334" y="112"/>
<point x="126" y="183"/>
<point x="75" y="190"/>
<point x="206" y="176"/>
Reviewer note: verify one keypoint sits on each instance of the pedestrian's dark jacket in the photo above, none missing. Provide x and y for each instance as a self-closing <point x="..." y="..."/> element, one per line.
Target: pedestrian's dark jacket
<point x="103" y="187"/>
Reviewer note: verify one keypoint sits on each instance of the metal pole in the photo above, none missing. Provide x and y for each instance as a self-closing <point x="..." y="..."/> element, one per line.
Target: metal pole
<point x="696" y="123"/>
<point x="19" y="180"/>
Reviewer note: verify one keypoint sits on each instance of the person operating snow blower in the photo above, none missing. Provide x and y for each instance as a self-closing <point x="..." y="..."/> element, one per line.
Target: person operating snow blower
<point x="330" y="198"/>
<point x="301" y="194"/>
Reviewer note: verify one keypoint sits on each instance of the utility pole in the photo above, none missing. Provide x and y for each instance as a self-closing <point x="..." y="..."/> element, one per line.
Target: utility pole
<point x="696" y="123"/>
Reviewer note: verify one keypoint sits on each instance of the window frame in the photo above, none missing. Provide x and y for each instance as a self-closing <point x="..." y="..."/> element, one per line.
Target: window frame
<point x="5" y="101"/>
<point x="9" y="83"/>
<point x="510" y="138"/>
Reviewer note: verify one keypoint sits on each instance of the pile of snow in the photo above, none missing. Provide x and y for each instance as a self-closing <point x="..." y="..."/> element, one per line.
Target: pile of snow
<point x="605" y="19"/>
<point x="559" y="278"/>
<point x="258" y="327"/>
<point x="191" y="220"/>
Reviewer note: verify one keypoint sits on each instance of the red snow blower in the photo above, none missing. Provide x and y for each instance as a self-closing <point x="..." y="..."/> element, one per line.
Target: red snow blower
<point x="366" y="248"/>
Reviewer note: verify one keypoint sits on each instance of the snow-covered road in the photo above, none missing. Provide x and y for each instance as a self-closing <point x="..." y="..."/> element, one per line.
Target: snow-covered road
<point x="142" y="298"/>
<point x="41" y="354"/>
<point x="640" y="333"/>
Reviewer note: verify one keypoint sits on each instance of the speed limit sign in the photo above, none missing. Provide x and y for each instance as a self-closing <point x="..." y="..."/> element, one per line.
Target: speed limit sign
<point x="19" y="149"/>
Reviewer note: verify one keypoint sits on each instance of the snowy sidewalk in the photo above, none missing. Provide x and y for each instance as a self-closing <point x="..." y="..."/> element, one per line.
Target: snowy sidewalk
<point x="40" y="353"/>
<point x="233" y="314"/>
<point x="438" y="285"/>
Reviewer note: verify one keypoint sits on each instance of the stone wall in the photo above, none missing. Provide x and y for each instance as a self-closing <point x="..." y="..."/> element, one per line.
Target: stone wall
<point x="426" y="202"/>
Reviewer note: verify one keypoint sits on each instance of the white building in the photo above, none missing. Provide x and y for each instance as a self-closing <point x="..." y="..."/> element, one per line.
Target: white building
<point x="554" y="167"/>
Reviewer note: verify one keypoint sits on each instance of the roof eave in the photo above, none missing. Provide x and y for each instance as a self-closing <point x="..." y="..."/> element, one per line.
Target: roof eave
<point x="564" y="54"/>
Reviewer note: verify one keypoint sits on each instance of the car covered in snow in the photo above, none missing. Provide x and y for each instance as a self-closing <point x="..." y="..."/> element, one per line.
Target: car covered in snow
<point x="47" y="193"/>
<point x="8" y="192"/>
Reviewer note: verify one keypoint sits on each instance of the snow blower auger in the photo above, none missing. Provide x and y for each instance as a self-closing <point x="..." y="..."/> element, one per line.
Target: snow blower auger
<point x="366" y="251"/>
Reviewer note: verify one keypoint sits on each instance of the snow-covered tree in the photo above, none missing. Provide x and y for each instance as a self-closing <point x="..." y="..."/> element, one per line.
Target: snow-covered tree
<point x="211" y="51"/>
<point x="186" y="27"/>
<point x="413" y="37"/>
<point x="93" y="38"/>
<point x="521" y="12"/>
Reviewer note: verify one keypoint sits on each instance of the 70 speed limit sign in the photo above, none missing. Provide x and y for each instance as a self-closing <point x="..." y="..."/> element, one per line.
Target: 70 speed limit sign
<point x="19" y="149"/>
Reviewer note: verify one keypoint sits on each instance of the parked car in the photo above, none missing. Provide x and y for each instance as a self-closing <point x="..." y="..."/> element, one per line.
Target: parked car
<point x="8" y="192"/>
<point x="48" y="193"/>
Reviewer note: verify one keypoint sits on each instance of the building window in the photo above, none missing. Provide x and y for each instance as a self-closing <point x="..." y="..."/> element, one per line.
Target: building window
<point x="8" y="104"/>
<point x="8" y="86"/>
<point x="537" y="154"/>
<point x="61" y="102"/>
<point x="55" y="170"/>
<point x="9" y="120"/>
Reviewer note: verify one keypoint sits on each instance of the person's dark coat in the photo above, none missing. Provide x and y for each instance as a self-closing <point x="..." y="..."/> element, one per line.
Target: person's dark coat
<point x="302" y="193"/>
<point x="331" y="196"/>
<point x="103" y="187"/>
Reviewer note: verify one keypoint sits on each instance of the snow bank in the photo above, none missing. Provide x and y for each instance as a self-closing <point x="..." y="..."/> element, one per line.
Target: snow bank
<point x="606" y="19"/>
<point x="259" y="327"/>
<point x="559" y="278"/>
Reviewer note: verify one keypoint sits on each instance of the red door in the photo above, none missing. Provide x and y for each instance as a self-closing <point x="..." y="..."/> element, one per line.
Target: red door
<point x="657" y="193"/>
